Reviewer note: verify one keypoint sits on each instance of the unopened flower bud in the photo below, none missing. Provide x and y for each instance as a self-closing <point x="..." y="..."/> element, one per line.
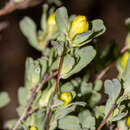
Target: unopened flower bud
<point x="124" y="59"/>
<point x="33" y="128"/>
<point x="66" y="97"/>
<point x="128" y="121"/>
<point x="51" y="23"/>
<point x="79" y="25"/>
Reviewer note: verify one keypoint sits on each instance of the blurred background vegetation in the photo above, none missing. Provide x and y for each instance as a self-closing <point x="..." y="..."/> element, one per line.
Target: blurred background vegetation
<point x="14" y="48"/>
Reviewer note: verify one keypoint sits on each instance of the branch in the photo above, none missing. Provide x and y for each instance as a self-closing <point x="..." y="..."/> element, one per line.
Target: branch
<point x="34" y="93"/>
<point x="105" y="119"/>
<point x="12" y="6"/>
<point x="33" y="110"/>
<point x="55" y="91"/>
<point x="58" y="75"/>
<point x="102" y="73"/>
<point x="3" y="25"/>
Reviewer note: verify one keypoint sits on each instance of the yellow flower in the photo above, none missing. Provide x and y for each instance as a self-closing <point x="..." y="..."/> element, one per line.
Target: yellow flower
<point x="66" y="97"/>
<point x="33" y="128"/>
<point x="51" y="23"/>
<point x="128" y="121"/>
<point x="79" y="25"/>
<point x="124" y="59"/>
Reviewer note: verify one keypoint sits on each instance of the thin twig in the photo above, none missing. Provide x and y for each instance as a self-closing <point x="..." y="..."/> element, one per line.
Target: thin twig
<point x="34" y="93"/>
<point x="102" y="73"/>
<point x="105" y="119"/>
<point x="12" y="6"/>
<point x="58" y="75"/>
<point x="124" y="49"/>
<point x="55" y="91"/>
<point x="3" y="25"/>
<point x="32" y="111"/>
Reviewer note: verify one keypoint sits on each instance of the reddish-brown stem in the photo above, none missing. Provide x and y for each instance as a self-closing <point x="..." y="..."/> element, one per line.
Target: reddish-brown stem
<point x="31" y="111"/>
<point x="55" y="91"/>
<point x="12" y="6"/>
<point x="106" y="118"/>
<point x="45" y="80"/>
<point x="102" y="73"/>
<point x="34" y="93"/>
<point x="124" y="49"/>
<point x="58" y="75"/>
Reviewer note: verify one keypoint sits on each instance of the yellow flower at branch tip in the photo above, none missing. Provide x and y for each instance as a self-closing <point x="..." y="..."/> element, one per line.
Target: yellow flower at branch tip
<point x="51" y="23"/>
<point x="128" y="121"/>
<point x="66" y="97"/>
<point x="124" y="59"/>
<point x="78" y="25"/>
<point x="33" y="128"/>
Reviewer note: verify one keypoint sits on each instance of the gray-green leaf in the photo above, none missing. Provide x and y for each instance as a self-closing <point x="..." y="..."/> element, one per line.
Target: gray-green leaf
<point x="69" y="123"/>
<point x="22" y="96"/>
<point x="68" y="63"/>
<point x="98" y="27"/>
<point x="10" y="124"/>
<point x="98" y="85"/>
<point x="86" y="119"/>
<point x="62" y="19"/>
<point x="119" y="116"/>
<point x="61" y="113"/>
<point x="44" y="18"/>
<point x="4" y="99"/>
<point x="29" y="30"/>
<point x="112" y="88"/>
<point x="67" y="87"/>
<point x="86" y="55"/>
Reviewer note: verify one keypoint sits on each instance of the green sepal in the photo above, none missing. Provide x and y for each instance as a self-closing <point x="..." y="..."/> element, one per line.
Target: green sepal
<point x="82" y="39"/>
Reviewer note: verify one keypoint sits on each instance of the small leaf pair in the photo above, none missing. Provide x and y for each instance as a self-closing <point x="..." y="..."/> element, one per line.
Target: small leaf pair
<point x="70" y="67"/>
